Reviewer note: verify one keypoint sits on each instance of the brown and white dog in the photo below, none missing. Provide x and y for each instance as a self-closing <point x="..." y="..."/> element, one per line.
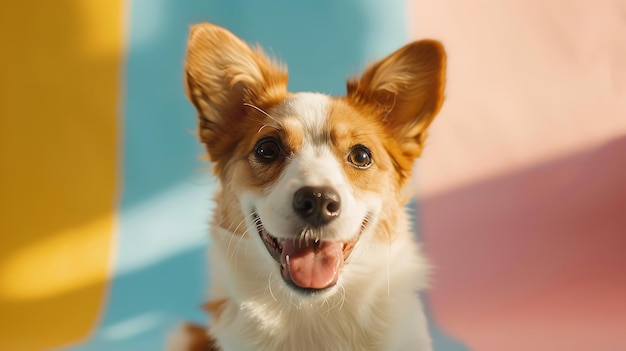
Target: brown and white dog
<point x="311" y="246"/>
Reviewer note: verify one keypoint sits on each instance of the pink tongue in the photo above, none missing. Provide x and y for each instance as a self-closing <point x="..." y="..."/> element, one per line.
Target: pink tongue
<point x="312" y="266"/>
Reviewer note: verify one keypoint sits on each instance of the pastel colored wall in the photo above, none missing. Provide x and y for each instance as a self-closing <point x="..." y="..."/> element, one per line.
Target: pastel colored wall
<point x="105" y="199"/>
<point x="523" y="182"/>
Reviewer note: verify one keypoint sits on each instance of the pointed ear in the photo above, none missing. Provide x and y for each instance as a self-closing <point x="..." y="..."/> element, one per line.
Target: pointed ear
<point x="407" y="90"/>
<point x="223" y="73"/>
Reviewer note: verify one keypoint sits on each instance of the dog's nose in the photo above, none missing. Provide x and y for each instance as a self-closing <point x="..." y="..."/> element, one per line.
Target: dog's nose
<point x="317" y="205"/>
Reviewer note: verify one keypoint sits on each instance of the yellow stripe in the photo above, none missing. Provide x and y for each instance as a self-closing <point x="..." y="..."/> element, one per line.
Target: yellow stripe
<point x="59" y="68"/>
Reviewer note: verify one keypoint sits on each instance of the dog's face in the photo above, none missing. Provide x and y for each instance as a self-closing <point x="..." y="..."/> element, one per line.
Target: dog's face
<point x="310" y="178"/>
<point x="317" y="184"/>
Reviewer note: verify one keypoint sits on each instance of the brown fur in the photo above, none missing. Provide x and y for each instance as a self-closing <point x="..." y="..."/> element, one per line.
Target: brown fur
<point x="198" y="338"/>
<point x="238" y="74"/>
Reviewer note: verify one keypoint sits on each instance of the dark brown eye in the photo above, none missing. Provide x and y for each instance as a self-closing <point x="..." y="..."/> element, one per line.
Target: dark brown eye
<point x="360" y="156"/>
<point x="267" y="150"/>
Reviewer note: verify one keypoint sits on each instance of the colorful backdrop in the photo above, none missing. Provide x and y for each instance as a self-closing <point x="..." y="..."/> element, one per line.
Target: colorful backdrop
<point x="520" y="195"/>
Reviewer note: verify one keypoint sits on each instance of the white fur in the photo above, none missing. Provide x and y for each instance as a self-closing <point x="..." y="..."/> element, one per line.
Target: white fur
<point x="315" y="165"/>
<point x="374" y="305"/>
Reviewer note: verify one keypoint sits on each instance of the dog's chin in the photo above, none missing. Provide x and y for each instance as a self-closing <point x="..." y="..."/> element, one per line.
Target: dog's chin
<point x="308" y="265"/>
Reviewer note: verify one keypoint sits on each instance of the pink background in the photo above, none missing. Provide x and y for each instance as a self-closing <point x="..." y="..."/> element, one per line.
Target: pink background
<point x="523" y="182"/>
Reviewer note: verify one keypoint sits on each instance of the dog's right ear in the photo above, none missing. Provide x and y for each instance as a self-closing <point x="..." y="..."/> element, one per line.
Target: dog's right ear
<point x="222" y="74"/>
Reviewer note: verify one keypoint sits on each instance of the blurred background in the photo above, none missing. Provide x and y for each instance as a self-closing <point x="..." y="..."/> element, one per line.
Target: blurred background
<point x="520" y="194"/>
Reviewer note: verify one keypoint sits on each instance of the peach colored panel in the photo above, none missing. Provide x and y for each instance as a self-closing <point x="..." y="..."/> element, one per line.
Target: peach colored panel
<point x="529" y="81"/>
<point x="523" y="181"/>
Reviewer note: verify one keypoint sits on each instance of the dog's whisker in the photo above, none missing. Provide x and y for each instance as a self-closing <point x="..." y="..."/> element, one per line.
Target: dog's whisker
<point x="266" y="125"/>
<point x="343" y="297"/>
<point x="237" y="228"/>
<point x="243" y="221"/>
<point x="340" y="299"/>
<point x="234" y="253"/>
<point x="263" y="112"/>
<point x="328" y="307"/>
<point x="320" y="305"/>
<point x="228" y="250"/>
<point x="269" y="286"/>
<point x="230" y="240"/>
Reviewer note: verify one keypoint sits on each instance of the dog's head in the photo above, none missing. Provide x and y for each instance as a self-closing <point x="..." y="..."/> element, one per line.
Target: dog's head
<point x="310" y="178"/>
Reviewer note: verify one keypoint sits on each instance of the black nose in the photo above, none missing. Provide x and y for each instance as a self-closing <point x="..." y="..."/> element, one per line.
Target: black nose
<point x="316" y="205"/>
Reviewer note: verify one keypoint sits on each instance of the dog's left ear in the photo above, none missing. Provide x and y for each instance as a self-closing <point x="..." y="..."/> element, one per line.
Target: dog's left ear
<point x="407" y="89"/>
<point x="223" y="73"/>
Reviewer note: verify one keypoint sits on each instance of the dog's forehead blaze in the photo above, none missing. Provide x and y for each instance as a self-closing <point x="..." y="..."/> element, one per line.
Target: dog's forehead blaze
<point x="292" y="134"/>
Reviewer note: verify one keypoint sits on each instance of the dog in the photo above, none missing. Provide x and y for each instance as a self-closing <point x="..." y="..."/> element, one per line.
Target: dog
<point x="311" y="247"/>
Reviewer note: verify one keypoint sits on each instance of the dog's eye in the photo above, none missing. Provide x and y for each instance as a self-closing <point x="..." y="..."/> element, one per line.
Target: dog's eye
<point x="360" y="157"/>
<point x="267" y="150"/>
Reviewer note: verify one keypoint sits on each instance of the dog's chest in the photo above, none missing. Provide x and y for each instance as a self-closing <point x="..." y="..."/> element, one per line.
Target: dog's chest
<point x="324" y="327"/>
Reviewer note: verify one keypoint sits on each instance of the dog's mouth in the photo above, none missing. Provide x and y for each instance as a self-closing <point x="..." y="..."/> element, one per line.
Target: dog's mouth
<point x="307" y="263"/>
